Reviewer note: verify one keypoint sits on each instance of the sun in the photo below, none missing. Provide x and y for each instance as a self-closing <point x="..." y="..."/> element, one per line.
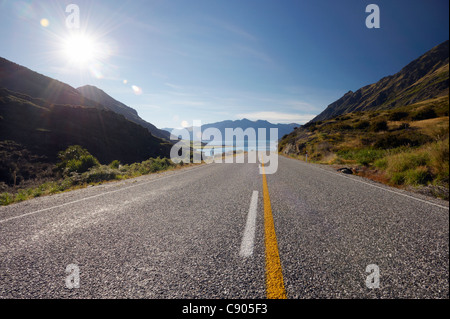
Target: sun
<point x="80" y="49"/>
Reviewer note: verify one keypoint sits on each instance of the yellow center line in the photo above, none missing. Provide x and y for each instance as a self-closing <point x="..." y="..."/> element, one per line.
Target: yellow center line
<point x="274" y="276"/>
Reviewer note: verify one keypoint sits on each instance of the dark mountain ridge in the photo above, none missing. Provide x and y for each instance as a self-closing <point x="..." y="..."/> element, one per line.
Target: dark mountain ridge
<point x="17" y="78"/>
<point x="43" y="116"/>
<point x="95" y="94"/>
<point x="46" y="128"/>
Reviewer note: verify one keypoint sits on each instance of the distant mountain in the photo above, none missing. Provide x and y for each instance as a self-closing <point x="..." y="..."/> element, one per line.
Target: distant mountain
<point x="422" y="79"/>
<point x="95" y="94"/>
<point x="283" y="129"/>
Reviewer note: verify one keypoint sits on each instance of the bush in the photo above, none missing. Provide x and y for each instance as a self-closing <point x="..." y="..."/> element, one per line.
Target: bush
<point x="363" y="156"/>
<point x="343" y="127"/>
<point x="418" y="176"/>
<point x="362" y="125"/>
<point x="424" y="114"/>
<point x="439" y="160"/>
<point x="379" y="126"/>
<point x="397" y="116"/>
<point x="21" y="196"/>
<point x="411" y="167"/>
<point x="403" y="161"/>
<point x="398" y="178"/>
<point x="76" y="159"/>
<point x="153" y="165"/>
<point x="72" y="152"/>
<point x="6" y="199"/>
<point x="82" y="165"/>
<point x="115" y="164"/>
<point x="400" y="138"/>
<point x="99" y="174"/>
<point x="381" y="163"/>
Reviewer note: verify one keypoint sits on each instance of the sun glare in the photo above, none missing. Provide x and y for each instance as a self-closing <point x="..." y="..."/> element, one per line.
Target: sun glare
<point x="80" y="50"/>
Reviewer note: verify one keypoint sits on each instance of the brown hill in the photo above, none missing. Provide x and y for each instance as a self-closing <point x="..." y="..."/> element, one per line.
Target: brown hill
<point x="422" y="79"/>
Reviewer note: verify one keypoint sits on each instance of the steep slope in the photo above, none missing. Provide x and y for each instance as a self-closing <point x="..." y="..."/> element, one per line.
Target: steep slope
<point x="95" y="94"/>
<point x="20" y="79"/>
<point x="422" y="79"/>
<point x="46" y="128"/>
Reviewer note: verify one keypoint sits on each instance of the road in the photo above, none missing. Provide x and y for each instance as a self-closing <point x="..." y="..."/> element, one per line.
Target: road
<point x="202" y="232"/>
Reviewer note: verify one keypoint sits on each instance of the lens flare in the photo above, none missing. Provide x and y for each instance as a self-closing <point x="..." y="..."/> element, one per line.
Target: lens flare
<point x="45" y="23"/>
<point x="136" y="89"/>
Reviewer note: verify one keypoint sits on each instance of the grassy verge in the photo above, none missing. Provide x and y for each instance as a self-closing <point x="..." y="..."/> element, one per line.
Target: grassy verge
<point x="95" y="175"/>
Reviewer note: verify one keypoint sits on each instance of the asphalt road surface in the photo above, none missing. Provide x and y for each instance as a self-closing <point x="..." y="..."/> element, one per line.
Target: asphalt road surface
<point x="200" y="232"/>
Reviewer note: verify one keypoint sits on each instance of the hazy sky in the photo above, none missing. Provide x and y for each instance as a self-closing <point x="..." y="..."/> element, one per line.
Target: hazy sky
<point x="211" y="60"/>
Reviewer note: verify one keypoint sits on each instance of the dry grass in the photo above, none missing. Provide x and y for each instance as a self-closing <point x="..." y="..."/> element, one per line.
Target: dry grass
<point x="410" y="151"/>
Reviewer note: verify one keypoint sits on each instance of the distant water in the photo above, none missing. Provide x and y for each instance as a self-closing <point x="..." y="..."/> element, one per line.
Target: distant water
<point x="228" y="146"/>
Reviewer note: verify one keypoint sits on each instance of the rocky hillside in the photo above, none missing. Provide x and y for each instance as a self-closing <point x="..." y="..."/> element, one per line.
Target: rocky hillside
<point x="424" y="78"/>
<point x="45" y="129"/>
<point x="395" y="131"/>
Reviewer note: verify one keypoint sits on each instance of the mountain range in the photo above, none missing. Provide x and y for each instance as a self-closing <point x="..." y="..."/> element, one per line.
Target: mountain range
<point x="283" y="129"/>
<point x="424" y="78"/>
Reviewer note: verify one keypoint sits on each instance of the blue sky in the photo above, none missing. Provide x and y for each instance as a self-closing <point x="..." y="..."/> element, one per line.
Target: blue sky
<point x="176" y="61"/>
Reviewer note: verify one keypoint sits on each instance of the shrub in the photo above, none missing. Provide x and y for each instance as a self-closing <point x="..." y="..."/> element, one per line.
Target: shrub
<point x="72" y="152"/>
<point x="418" y="176"/>
<point x="398" y="115"/>
<point x="379" y="126"/>
<point x="381" y="163"/>
<point x="403" y="161"/>
<point x="400" y="138"/>
<point x="82" y="165"/>
<point x="6" y="199"/>
<point x="439" y="160"/>
<point x="424" y="114"/>
<point x="364" y="156"/>
<point x="368" y="156"/>
<point x="20" y="196"/>
<point x="76" y="159"/>
<point x="115" y="164"/>
<point x="99" y="174"/>
<point x="362" y="125"/>
<point x="398" y="178"/>
<point x="344" y="127"/>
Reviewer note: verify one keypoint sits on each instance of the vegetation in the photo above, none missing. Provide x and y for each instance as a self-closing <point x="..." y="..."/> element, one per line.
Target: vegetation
<point x="404" y="147"/>
<point x="76" y="159"/>
<point x="78" y="169"/>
